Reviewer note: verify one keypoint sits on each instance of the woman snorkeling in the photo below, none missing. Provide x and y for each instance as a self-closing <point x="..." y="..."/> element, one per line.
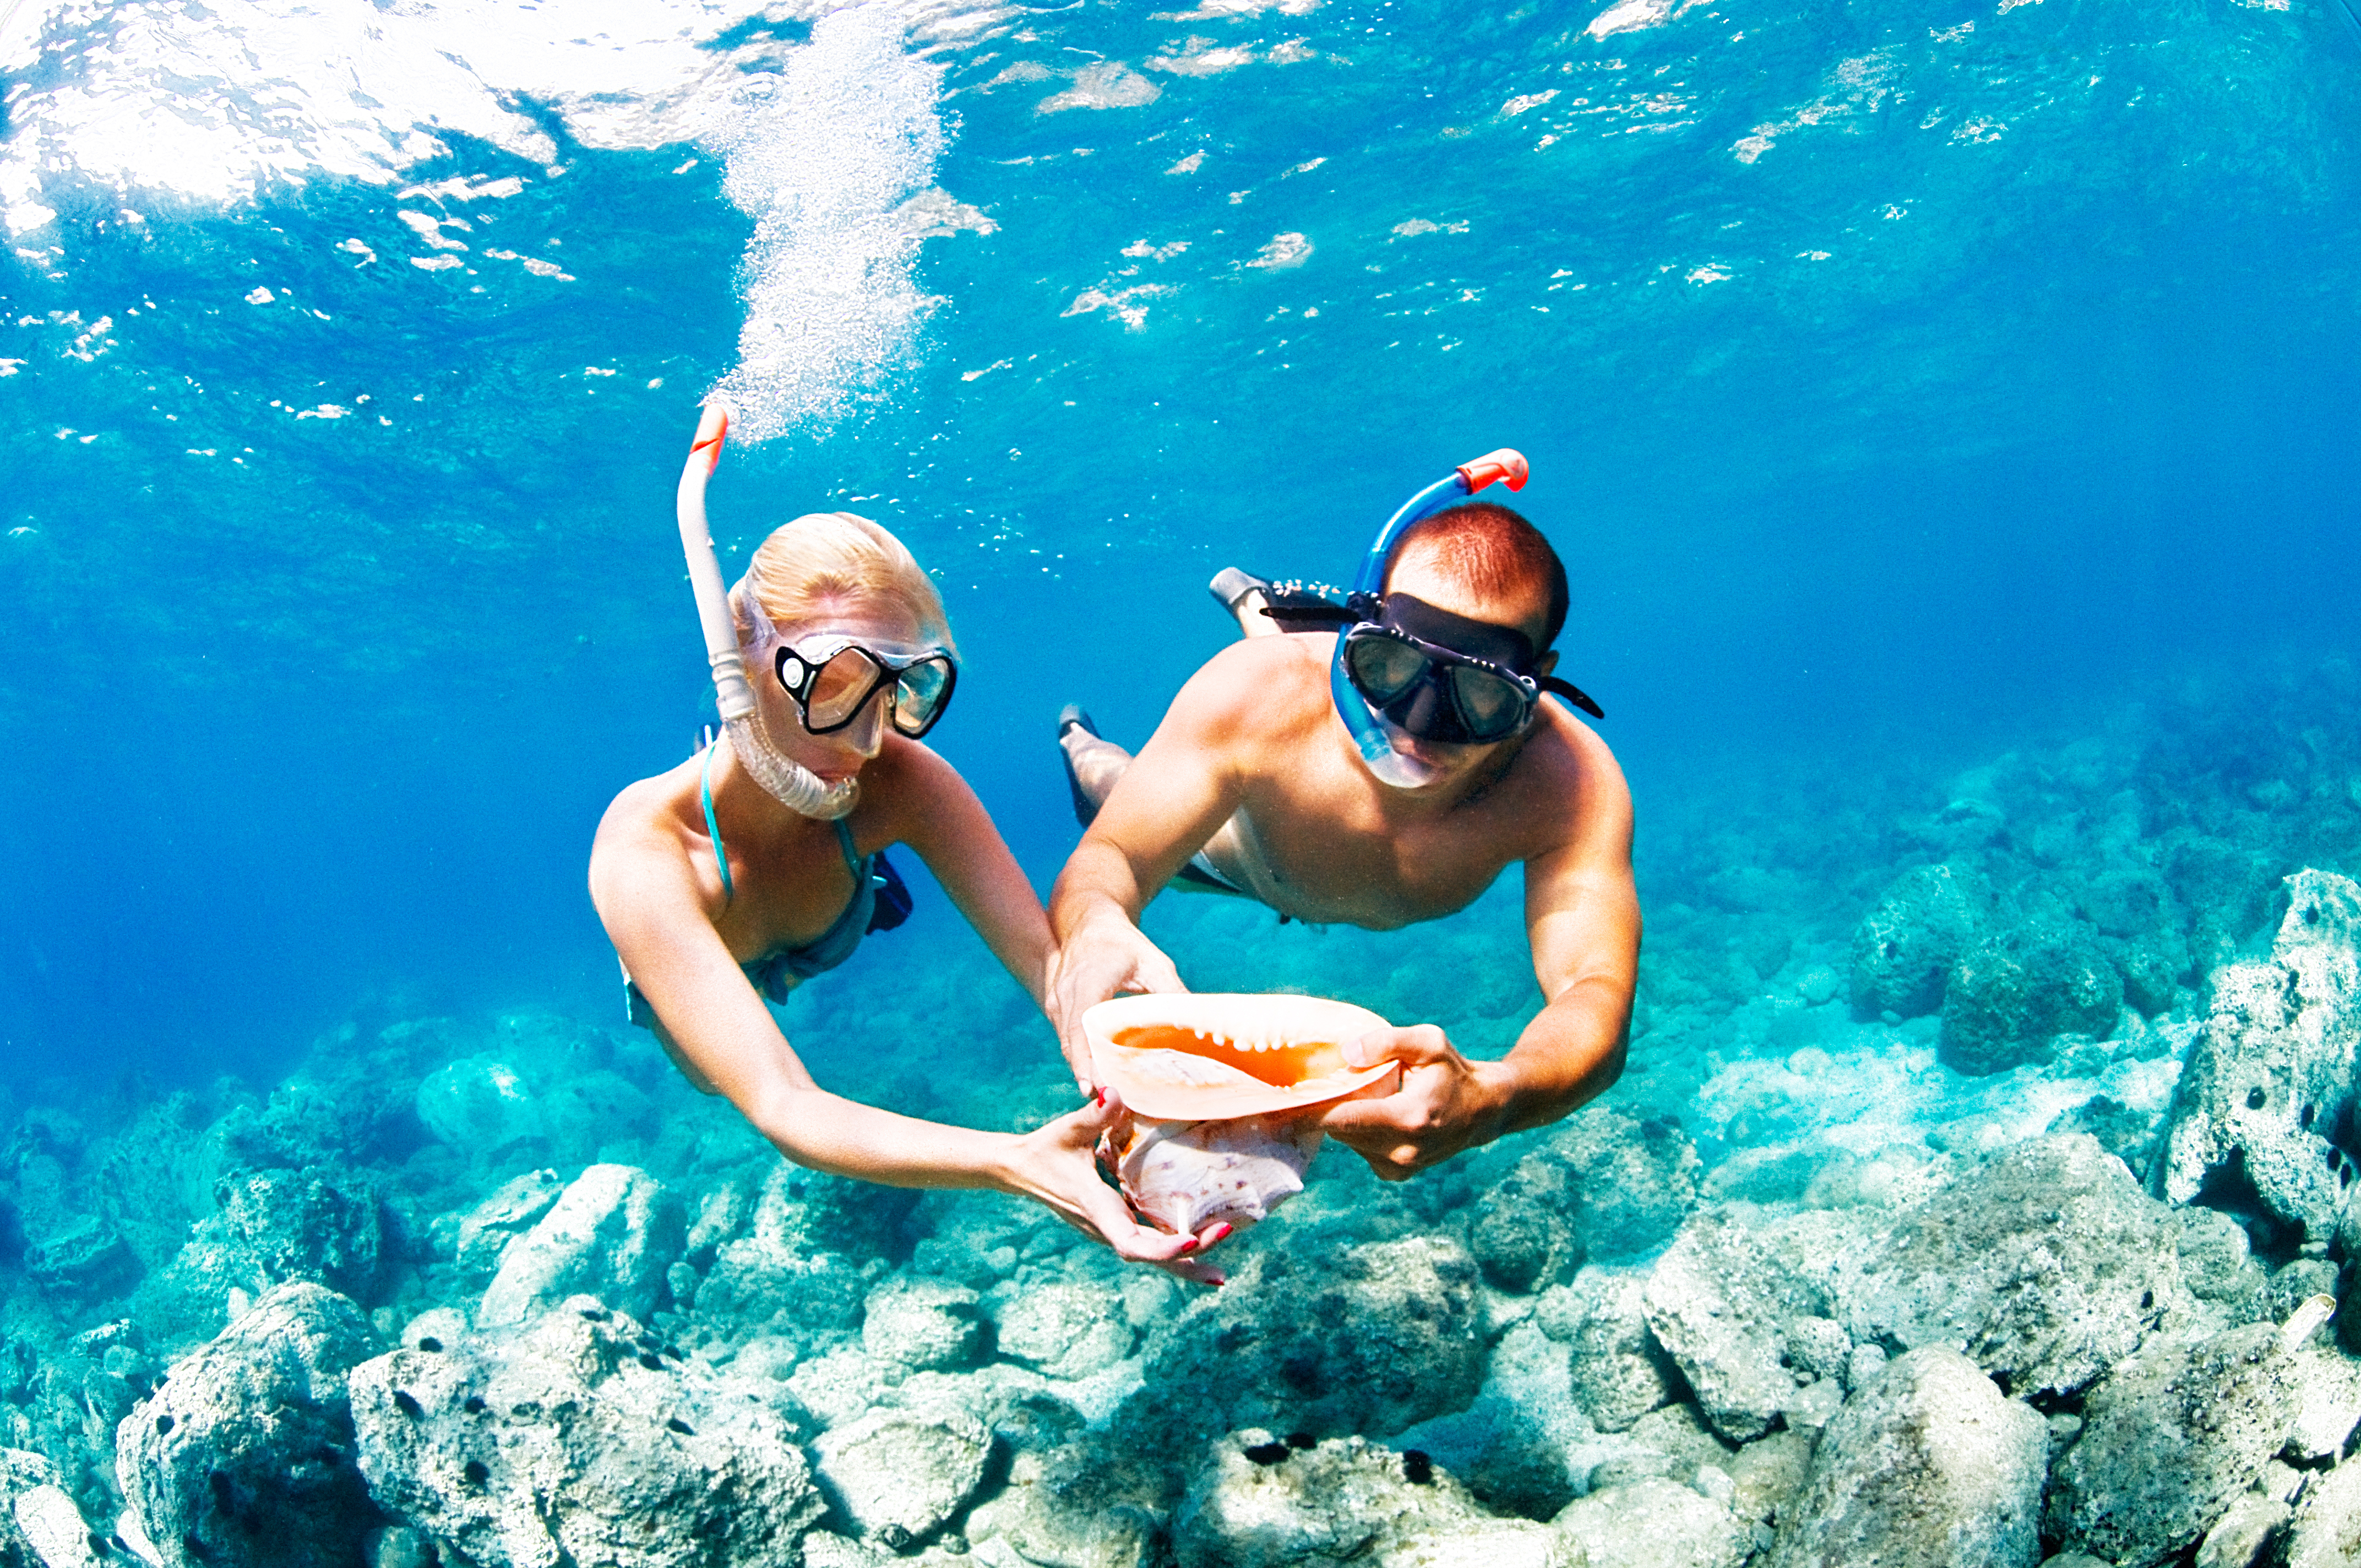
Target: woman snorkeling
<point x="756" y="864"/>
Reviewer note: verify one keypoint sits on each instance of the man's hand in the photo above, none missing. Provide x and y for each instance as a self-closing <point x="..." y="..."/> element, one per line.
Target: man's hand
<point x="1106" y="958"/>
<point x="1446" y="1104"/>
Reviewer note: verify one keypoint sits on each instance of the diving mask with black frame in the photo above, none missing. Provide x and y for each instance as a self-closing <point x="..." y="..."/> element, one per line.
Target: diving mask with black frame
<point x="832" y="678"/>
<point x="1404" y="666"/>
<point x="1443" y="677"/>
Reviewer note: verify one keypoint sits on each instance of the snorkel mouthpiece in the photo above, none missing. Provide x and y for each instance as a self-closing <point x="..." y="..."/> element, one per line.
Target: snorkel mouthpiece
<point x="1366" y="726"/>
<point x="790" y="782"/>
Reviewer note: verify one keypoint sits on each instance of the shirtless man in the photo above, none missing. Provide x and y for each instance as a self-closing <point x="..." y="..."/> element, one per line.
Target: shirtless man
<point x="1402" y="808"/>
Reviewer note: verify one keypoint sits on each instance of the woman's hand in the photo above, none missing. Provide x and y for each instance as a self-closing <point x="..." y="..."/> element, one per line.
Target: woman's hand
<point x="1054" y="1165"/>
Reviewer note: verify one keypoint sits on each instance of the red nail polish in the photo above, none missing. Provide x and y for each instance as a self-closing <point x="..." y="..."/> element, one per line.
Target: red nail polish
<point x="1098" y="1096"/>
<point x="1189" y="1245"/>
<point x="1223" y="1234"/>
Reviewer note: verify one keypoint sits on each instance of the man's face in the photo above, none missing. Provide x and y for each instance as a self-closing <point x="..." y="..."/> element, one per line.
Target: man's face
<point x="1423" y="573"/>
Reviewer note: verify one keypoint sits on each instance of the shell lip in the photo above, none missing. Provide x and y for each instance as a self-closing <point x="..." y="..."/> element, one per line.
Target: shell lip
<point x="1165" y="1085"/>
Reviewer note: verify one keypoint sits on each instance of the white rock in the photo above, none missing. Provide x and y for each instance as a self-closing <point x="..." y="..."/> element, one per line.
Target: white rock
<point x="1929" y="1468"/>
<point x="613" y="1234"/>
<point x="899" y="1479"/>
<point x="1065" y="1330"/>
<point x="1655" y="1524"/>
<point x="922" y="1324"/>
<point x="478" y="1104"/>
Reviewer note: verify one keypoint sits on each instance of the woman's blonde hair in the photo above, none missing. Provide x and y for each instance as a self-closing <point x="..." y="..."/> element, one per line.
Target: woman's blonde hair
<point x="828" y="555"/>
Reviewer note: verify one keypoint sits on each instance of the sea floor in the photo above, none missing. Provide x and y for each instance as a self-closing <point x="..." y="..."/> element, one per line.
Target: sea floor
<point x="1970" y="1196"/>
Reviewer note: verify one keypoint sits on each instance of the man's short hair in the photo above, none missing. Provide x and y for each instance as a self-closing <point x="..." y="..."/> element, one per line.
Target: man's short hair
<point x="1495" y="552"/>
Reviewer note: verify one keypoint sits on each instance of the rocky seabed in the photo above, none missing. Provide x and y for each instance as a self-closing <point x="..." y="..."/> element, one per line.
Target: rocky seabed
<point x="2002" y="1218"/>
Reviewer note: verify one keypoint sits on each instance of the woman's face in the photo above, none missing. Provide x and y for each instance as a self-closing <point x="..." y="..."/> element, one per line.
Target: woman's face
<point x="839" y="755"/>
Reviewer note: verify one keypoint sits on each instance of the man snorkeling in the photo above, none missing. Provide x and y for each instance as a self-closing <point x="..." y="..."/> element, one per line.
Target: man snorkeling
<point x="1380" y="766"/>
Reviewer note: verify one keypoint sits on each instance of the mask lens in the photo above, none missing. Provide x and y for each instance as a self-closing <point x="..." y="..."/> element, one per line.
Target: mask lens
<point x="918" y="695"/>
<point x="1383" y="667"/>
<point x="839" y="688"/>
<point x="1490" y="706"/>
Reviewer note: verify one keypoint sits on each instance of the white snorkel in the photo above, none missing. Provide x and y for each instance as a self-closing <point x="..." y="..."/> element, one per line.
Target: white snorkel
<point x="791" y="785"/>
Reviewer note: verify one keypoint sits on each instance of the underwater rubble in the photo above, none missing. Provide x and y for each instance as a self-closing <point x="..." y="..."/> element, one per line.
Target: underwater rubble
<point x="1979" y="1192"/>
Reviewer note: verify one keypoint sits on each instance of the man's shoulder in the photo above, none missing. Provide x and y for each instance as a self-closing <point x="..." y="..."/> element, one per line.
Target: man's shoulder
<point x="1258" y="679"/>
<point x="1567" y="763"/>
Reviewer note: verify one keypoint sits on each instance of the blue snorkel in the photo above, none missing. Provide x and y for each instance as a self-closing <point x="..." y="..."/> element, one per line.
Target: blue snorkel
<point x="1378" y="753"/>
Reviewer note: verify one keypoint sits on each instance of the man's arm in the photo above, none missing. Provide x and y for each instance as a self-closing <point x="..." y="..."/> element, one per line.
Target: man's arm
<point x="1175" y="795"/>
<point x="1582" y="917"/>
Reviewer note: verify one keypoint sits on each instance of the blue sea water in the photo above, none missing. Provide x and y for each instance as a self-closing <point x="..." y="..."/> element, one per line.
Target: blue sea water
<point x="1898" y="381"/>
<point x="1936" y="400"/>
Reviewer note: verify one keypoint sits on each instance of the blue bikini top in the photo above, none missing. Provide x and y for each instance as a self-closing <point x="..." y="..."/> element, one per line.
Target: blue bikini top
<point x="879" y="903"/>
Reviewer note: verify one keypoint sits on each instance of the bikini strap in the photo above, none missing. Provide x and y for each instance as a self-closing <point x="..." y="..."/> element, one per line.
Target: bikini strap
<point x="852" y="855"/>
<point x="713" y="824"/>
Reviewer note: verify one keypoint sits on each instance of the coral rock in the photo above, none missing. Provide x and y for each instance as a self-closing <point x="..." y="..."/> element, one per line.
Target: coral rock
<point x="579" y="1438"/>
<point x="2045" y="1266"/>
<point x="484" y="1231"/>
<point x="922" y="1324"/>
<point x="1260" y="1502"/>
<point x="2273" y="1076"/>
<point x="2169" y="1438"/>
<point x="39" y="1525"/>
<point x="1903" y="948"/>
<point x="245" y="1455"/>
<point x="1618" y="1372"/>
<point x="1370" y="1339"/>
<point x="2327" y="1531"/>
<point x="1718" y="1304"/>
<point x="1929" y="1468"/>
<point x="2012" y="993"/>
<point x="612" y="1235"/>
<point x="1064" y="1330"/>
<point x="1655" y="1524"/>
<point x="480" y="1105"/>
<point x="897" y="1478"/>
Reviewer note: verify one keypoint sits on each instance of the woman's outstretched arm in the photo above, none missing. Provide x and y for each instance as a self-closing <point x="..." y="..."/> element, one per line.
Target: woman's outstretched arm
<point x="655" y="913"/>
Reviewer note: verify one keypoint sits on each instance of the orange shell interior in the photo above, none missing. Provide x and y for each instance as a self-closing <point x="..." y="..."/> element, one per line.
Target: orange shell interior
<point x="1182" y="1058"/>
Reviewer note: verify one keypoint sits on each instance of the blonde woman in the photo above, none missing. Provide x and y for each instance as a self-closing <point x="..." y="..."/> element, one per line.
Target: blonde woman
<point x="741" y="873"/>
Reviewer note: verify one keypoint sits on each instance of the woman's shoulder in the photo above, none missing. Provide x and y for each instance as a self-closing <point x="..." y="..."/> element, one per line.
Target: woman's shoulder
<point x="648" y="810"/>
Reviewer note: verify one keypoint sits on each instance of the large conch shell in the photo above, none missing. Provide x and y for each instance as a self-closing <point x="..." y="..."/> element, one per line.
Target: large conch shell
<point x="1221" y="1092"/>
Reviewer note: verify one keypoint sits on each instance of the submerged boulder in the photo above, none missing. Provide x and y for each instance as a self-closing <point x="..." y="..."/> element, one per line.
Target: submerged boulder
<point x="1720" y="1304"/>
<point x="1634" y="1179"/>
<point x="2171" y="1437"/>
<point x="1067" y="1329"/>
<point x="897" y="1478"/>
<point x="1262" y="1501"/>
<point x="1930" y="1467"/>
<point x="1369" y="1339"/>
<point x="2328" y="1529"/>
<point x="1521" y="1233"/>
<point x="2013" y="993"/>
<point x="40" y="1527"/>
<point x="480" y="1105"/>
<point x="612" y="1235"/>
<point x="84" y="1258"/>
<point x="923" y="1324"/>
<point x="2045" y="1265"/>
<point x="2272" y="1080"/>
<point x="1655" y="1524"/>
<point x="579" y="1437"/>
<point x="480" y="1236"/>
<point x="1903" y="948"/>
<point x="245" y="1455"/>
<point x="291" y="1224"/>
<point x="1618" y="1371"/>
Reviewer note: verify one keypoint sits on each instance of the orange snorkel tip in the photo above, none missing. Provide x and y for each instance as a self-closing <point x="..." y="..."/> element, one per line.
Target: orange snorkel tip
<point x="1506" y="463"/>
